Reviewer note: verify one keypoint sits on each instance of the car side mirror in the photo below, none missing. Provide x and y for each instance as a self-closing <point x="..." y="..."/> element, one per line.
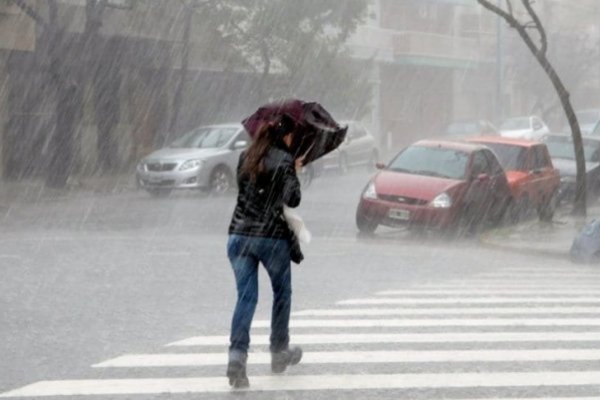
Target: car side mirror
<point x="240" y="144"/>
<point x="380" y="165"/>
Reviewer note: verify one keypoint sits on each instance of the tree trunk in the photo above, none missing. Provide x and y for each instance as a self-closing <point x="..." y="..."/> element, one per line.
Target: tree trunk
<point x="177" y="100"/>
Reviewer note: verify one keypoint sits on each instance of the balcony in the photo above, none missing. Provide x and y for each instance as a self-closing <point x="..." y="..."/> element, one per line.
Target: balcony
<point x="419" y="48"/>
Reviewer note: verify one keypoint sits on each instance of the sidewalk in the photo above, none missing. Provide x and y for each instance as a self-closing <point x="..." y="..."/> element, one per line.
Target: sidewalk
<point x="35" y="190"/>
<point x="547" y="239"/>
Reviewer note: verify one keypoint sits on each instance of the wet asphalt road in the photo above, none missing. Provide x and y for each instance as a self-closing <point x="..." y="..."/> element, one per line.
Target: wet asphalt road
<point x="90" y="277"/>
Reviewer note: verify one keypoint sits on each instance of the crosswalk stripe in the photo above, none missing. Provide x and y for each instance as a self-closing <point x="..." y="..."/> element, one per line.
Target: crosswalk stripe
<point x="371" y="338"/>
<point x="358" y="357"/>
<point x="471" y="300"/>
<point x="554" y="285"/>
<point x="445" y="311"/>
<point x="487" y="322"/>
<point x="472" y="292"/>
<point x="309" y="382"/>
<point x="536" y="275"/>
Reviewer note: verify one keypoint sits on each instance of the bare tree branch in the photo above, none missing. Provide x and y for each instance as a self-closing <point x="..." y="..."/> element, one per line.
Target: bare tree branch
<point x="26" y="8"/>
<point x="538" y="23"/>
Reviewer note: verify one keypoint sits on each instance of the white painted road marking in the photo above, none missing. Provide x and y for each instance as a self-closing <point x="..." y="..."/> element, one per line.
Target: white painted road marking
<point x="358" y="357"/>
<point x="341" y="338"/>
<point x="489" y="311"/>
<point x="471" y="300"/>
<point x="488" y="292"/>
<point x="309" y="382"/>
<point x="358" y="323"/>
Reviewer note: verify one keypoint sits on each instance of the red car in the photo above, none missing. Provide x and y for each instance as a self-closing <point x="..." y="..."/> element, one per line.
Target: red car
<point x="533" y="180"/>
<point x="436" y="184"/>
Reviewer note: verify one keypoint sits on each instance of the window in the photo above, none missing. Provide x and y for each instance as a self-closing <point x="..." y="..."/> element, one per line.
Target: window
<point x="539" y="159"/>
<point x="480" y="165"/>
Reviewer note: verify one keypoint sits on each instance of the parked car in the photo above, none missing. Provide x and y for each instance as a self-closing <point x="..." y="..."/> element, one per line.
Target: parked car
<point x="437" y="184"/>
<point x="359" y="148"/>
<point x="468" y="128"/>
<point x="563" y="157"/>
<point x="596" y="130"/>
<point x="529" y="127"/>
<point x="588" y="119"/>
<point x="205" y="158"/>
<point x="532" y="178"/>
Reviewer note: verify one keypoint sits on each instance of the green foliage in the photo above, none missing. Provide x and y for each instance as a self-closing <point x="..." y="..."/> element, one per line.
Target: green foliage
<point x="299" y="48"/>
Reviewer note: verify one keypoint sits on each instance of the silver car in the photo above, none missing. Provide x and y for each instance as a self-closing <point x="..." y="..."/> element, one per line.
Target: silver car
<point x="359" y="148"/>
<point x="205" y="158"/>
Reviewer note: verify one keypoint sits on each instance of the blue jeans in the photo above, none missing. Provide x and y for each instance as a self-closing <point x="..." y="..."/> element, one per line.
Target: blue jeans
<point x="245" y="253"/>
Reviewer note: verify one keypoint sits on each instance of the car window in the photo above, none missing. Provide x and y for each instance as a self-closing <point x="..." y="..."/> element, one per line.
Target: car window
<point x="596" y="130"/>
<point x="431" y="161"/>
<point x="205" y="137"/>
<point x="480" y="164"/>
<point x="538" y="158"/>
<point x="562" y="147"/>
<point x="495" y="166"/>
<point x="511" y="157"/>
<point x="243" y="135"/>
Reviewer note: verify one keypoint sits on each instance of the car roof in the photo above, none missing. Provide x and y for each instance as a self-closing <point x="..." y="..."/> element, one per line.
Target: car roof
<point x="448" y="144"/>
<point x="504" y="140"/>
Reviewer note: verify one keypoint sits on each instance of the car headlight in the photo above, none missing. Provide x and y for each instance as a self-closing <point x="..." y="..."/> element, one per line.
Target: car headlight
<point x="442" y="200"/>
<point x="370" y="192"/>
<point x="191" y="164"/>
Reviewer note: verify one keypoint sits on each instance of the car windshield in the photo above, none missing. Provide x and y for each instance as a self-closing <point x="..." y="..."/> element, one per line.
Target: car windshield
<point x="511" y="157"/>
<point x="514" y="124"/>
<point x="563" y="148"/>
<point x="431" y="161"/>
<point x="588" y="117"/>
<point x="205" y="138"/>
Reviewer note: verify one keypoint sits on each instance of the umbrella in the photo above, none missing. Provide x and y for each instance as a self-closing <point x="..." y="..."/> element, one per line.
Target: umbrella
<point x="317" y="133"/>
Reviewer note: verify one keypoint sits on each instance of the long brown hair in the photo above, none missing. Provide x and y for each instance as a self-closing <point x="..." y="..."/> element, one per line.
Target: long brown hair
<point x="269" y="134"/>
<point x="253" y="162"/>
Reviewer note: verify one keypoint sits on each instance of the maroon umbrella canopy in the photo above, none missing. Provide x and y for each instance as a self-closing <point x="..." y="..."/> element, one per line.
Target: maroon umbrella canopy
<point x="317" y="132"/>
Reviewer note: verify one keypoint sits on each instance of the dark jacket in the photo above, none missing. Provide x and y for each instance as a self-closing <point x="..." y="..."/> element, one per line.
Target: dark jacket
<point x="259" y="207"/>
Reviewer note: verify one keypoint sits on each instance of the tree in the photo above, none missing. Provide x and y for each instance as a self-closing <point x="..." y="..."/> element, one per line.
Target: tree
<point x="539" y="49"/>
<point x="65" y="83"/>
<point x="298" y="47"/>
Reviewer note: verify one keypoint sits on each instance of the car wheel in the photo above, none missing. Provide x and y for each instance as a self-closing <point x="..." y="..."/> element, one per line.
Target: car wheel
<point x="546" y="209"/>
<point x="364" y="224"/>
<point x="343" y="163"/>
<point x="156" y="192"/>
<point x="521" y="209"/>
<point x="221" y="181"/>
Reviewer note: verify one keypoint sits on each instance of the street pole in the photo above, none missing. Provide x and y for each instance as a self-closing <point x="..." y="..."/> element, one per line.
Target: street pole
<point x="499" y="112"/>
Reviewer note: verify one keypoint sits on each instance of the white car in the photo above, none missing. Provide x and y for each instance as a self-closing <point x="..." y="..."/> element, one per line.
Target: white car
<point x="529" y="127"/>
<point x="359" y="148"/>
<point x="205" y="158"/>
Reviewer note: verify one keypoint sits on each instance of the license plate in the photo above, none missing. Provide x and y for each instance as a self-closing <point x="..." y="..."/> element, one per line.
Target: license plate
<point x="401" y="215"/>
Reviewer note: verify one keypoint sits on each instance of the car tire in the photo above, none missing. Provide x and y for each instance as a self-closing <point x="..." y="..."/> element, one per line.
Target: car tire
<point x="521" y="209"/>
<point x="343" y="163"/>
<point x="365" y="225"/>
<point x="546" y="209"/>
<point x="158" y="192"/>
<point x="221" y="181"/>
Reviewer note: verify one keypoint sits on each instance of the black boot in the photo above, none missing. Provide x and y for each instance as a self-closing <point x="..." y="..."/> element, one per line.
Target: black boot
<point x="281" y="359"/>
<point x="236" y="372"/>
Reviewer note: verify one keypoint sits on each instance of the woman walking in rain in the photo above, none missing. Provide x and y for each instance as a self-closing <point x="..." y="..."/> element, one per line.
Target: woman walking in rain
<point x="258" y="233"/>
